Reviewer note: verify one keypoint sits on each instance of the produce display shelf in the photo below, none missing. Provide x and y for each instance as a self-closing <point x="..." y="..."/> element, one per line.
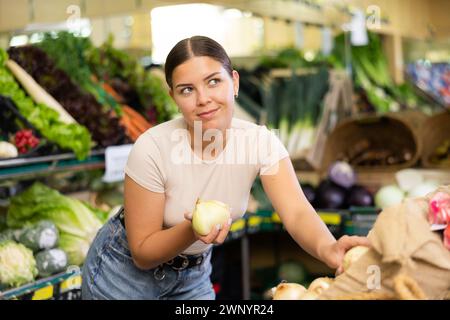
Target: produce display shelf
<point x="67" y="285"/>
<point x="339" y="222"/>
<point x="63" y="285"/>
<point x="24" y="167"/>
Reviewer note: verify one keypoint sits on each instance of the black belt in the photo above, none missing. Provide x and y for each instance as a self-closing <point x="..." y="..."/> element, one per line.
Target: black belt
<point x="181" y="261"/>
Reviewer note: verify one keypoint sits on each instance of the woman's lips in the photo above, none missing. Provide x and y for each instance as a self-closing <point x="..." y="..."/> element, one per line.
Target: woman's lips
<point x="208" y="114"/>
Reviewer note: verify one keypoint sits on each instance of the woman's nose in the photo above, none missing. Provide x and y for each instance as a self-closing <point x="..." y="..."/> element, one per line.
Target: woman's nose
<point x="203" y="97"/>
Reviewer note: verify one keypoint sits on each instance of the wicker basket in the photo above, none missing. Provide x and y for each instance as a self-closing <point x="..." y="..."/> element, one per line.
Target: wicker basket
<point x="396" y="132"/>
<point x="437" y="130"/>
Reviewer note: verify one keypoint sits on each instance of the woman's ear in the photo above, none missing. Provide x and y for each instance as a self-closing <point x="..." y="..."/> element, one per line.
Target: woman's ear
<point x="235" y="82"/>
<point x="171" y="93"/>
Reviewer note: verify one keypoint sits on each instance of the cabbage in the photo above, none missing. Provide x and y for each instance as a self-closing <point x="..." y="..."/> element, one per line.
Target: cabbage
<point x="77" y="223"/>
<point x="76" y="248"/>
<point x="39" y="202"/>
<point x="17" y="264"/>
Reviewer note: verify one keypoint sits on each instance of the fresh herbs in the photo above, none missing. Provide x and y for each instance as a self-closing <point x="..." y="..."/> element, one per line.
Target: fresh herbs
<point x="103" y="124"/>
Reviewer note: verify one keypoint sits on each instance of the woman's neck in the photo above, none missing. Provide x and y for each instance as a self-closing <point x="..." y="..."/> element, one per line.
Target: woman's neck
<point x="214" y="144"/>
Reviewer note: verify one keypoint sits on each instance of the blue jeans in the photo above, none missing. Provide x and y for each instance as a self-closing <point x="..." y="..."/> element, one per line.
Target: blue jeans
<point x="109" y="273"/>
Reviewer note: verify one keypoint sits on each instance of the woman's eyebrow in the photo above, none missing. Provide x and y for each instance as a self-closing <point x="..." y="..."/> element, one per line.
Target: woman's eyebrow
<point x="190" y="84"/>
<point x="211" y="75"/>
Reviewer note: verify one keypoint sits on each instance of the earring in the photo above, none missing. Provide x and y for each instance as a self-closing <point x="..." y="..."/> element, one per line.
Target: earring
<point x="236" y="96"/>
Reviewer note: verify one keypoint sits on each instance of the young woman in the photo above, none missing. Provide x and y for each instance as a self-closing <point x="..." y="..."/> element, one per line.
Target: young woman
<point x="150" y="250"/>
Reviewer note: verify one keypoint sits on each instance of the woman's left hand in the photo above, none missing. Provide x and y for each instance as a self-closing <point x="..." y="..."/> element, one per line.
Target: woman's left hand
<point x="334" y="254"/>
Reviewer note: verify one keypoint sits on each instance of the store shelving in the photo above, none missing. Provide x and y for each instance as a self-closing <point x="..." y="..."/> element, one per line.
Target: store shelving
<point x="30" y="167"/>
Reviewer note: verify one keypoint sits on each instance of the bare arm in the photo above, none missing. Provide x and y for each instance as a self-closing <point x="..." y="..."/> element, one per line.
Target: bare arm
<point x="301" y="220"/>
<point x="149" y="244"/>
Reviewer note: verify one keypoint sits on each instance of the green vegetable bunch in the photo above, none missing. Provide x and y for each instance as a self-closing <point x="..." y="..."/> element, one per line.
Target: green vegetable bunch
<point x="108" y="62"/>
<point x="371" y="73"/>
<point x="68" y="136"/>
<point x="69" y="53"/>
<point x="77" y="223"/>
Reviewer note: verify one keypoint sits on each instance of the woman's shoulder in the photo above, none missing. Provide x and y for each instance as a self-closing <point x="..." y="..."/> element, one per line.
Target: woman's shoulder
<point x="160" y="134"/>
<point x="167" y="127"/>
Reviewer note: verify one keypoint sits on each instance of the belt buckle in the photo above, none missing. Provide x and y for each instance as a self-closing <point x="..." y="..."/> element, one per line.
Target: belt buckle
<point x="184" y="264"/>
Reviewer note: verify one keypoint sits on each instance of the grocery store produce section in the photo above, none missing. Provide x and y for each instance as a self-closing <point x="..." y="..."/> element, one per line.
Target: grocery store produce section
<point x="360" y="143"/>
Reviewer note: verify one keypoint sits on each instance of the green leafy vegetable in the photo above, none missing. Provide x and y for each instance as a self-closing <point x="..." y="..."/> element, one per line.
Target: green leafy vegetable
<point x="17" y="264"/>
<point x="68" y="136"/>
<point x="108" y="62"/>
<point x="73" y="219"/>
<point x="69" y="53"/>
<point x="101" y="122"/>
<point x="75" y="247"/>
<point x="371" y="73"/>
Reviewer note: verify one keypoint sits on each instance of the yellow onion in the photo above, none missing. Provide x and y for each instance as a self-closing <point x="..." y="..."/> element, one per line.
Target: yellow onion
<point x="353" y="255"/>
<point x="320" y="284"/>
<point x="208" y="214"/>
<point x="309" y="295"/>
<point x="288" y="291"/>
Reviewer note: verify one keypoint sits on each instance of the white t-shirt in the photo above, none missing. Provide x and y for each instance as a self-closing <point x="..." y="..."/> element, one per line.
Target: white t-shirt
<point x="163" y="161"/>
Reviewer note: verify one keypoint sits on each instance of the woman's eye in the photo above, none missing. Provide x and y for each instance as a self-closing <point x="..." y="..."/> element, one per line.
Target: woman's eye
<point x="214" y="82"/>
<point x="186" y="90"/>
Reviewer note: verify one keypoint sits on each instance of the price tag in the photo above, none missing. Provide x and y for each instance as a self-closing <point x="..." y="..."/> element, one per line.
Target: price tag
<point x="254" y="221"/>
<point x="115" y="160"/>
<point x="330" y="218"/>
<point x="237" y="225"/>
<point x="71" y="284"/>
<point x="276" y="218"/>
<point x="43" y="293"/>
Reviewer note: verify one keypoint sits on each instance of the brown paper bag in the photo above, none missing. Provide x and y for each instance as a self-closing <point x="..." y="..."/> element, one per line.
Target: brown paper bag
<point x="403" y="247"/>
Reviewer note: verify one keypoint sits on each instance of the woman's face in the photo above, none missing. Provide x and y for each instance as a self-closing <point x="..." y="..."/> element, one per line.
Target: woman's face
<point x="204" y="91"/>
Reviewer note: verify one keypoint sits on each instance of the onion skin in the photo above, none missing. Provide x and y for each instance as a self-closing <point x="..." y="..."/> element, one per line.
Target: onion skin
<point x="353" y="255"/>
<point x="289" y="291"/>
<point x="320" y="284"/>
<point x="309" y="295"/>
<point x="208" y="214"/>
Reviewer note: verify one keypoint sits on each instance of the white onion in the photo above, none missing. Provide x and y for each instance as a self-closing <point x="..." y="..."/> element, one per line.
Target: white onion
<point x="353" y="255"/>
<point x="289" y="291"/>
<point x="309" y="295"/>
<point x="208" y="214"/>
<point x="320" y="284"/>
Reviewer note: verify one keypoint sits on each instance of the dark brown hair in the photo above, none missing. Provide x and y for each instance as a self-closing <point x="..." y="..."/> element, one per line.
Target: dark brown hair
<point x="196" y="46"/>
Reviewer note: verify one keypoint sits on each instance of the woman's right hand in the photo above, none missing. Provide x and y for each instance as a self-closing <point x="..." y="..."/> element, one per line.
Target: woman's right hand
<point x="217" y="235"/>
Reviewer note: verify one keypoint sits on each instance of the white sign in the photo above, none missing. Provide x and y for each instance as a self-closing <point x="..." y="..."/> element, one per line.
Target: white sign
<point x="115" y="160"/>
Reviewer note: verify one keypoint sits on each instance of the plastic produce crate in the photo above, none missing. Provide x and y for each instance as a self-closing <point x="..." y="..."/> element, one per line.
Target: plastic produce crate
<point x="361" y="220"/>
<point x="62" y="286"/>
